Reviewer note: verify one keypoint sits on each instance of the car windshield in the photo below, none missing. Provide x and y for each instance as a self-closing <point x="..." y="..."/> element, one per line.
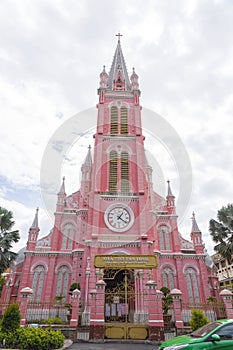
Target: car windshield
<point x="201" y="332"/>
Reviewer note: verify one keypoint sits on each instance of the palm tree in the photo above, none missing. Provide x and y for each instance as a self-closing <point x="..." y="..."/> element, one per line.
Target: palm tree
<point x="222" y="231"/>
<point x="7" y="238"/>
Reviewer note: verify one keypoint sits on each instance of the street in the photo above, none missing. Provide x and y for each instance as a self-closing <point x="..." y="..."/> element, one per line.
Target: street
<point x="113" y="346"/>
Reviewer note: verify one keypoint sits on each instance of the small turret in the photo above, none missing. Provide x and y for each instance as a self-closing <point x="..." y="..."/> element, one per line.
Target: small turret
<point x="61" y="197"/>
<point x="135" y="87"/>
<point x="33" y="233"/>
<point x="170" y="200"/>
<point x="103" y="85"/>
<point x="196" y="236"/>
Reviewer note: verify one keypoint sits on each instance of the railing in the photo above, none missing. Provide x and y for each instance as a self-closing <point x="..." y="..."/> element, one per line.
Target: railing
<point x="213" y="310"/>
<point x="38" y="312"/>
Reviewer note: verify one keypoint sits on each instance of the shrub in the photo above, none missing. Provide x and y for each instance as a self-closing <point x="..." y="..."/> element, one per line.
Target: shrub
<point x="198" y="319"/>
<point x="166" y="300"/>
<point x="34" y="338"/>
<point x="11" y="318"/>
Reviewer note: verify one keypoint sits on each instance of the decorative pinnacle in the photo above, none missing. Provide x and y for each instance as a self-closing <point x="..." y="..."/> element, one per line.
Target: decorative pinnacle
<point x="35" y="221"/>
<point x="169" y="191"/>
<point x="195" y="227"/>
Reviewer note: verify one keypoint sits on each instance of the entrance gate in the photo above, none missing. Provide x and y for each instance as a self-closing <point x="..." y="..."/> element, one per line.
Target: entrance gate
<point x="126" y="314"/>
<point x="124" y="306"/>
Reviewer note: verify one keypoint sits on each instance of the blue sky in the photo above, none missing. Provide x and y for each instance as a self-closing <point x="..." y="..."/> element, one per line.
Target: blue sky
<point x="51" y="55"/>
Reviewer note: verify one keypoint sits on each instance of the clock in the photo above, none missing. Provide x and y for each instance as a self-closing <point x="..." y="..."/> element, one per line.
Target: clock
<point x="119" y="217"/>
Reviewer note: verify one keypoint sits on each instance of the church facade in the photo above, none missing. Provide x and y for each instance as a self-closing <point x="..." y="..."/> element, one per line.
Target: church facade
<point x="115" y="231"/>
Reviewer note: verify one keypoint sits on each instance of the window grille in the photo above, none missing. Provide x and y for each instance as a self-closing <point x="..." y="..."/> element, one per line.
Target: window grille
<point x="124" y="120"/>
<point x="113" y="172"/>
<point x="114" y="120"/>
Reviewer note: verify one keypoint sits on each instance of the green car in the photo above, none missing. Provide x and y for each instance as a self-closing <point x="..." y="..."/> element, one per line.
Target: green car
<point x="217" y="336"/>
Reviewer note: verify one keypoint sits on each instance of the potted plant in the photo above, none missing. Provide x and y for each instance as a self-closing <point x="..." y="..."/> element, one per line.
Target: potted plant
<point x="166" y="304"/>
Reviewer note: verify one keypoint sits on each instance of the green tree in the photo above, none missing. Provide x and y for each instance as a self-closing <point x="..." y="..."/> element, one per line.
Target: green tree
<point x="7" y="238"/>
<point x="198" y="319"/>
<point x="166" y="299"/>
<point x="11" y="318"/>
<point x="222" y="231"/>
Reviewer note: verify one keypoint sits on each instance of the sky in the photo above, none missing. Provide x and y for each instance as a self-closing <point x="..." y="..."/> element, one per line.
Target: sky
<point x="51" y="55"/>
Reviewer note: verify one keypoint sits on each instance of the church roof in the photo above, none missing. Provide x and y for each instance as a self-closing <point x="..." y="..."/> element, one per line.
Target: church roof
<point x="118" y="64"/>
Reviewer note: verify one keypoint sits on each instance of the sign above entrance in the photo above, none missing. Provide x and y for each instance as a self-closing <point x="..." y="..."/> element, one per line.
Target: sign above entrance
<point x="126" y="261"/>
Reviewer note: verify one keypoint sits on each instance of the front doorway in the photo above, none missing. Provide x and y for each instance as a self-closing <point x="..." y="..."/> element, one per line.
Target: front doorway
<point x="123" y="304"/>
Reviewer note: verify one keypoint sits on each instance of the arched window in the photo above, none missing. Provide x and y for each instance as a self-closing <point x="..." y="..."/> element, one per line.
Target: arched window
<point x="114" y="120"/>
<point x="168" y="278"/>
<point x="37" y="282"/>
<point x="113" y="172"/>
<point x="192" y="285"/>
<point x="124" y="120"/>
<point x="124" y="172"/>
<point x="62" y="281"/>
<point x="67" y="236"/>
<point x="165" y="238"/>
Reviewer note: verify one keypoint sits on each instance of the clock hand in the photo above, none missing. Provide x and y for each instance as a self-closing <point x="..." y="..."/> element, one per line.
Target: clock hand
<point x="119" y="217"/>
<point x="123" y="220"/>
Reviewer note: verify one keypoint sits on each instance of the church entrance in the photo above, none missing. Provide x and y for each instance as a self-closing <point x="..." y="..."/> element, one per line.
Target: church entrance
<point x="123" y="304"/>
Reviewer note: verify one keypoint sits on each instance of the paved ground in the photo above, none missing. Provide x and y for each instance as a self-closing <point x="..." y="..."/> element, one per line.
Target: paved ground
<point x="112" y="346"/>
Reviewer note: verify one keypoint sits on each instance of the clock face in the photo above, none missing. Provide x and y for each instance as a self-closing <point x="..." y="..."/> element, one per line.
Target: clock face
<point x="118" y="218"/>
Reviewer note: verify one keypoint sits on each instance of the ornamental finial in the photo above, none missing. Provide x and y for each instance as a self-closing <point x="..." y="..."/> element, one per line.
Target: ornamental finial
<point x="119" y="36"/>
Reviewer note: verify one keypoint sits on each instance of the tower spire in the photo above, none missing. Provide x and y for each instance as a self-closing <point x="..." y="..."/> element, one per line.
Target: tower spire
<point x="35" y="221"/>
<point x="196" y="236"/>
<point x="118" y="66"/>
<point x="195" y="227"/>
<point x="170" y="199"/>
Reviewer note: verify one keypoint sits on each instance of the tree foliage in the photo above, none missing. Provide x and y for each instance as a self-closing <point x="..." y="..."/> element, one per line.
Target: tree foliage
<point x="11" y="318"/>
<point x="198" y="319"/>
<point x="166" y="299"/>
<point x="7" y="238"/>
<point x="222" y="231"/>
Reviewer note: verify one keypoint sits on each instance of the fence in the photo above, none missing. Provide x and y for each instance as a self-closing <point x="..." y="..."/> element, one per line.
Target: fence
<point x="37" y="312"/>
<point x="213" y="310"/>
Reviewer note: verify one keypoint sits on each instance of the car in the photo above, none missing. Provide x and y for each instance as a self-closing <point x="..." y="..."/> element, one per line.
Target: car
<point x="217" y="335"/>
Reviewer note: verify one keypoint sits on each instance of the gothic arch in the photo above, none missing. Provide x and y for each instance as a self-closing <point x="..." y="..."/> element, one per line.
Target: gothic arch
<point x="38" y="282"/>
<point x="63" y="276"/>
<point x="63" y="263"/>
<point x="119" y="104"/>
<point x="168" y="273"/>
<point x="68" y="233"/>
<point x="170" y="266"/>
<point x="37" y="263"/>
<point x="186" y="266"/>
<point x="165" y="240"/>
<point x="119" y="148"/>
<point x="192" y="284"/>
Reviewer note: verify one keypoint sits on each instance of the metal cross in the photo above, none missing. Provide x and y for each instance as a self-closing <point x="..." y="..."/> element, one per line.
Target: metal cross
<point x="119" y="35"/>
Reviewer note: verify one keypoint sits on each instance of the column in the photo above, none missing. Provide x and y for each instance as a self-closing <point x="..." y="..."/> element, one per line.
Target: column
<point x="176" y="297"/>
<point x="25" y="294"/>
<point x="227" y="299"/>
<point x="97" y="311"/>
<point x="75" y="308"/>
<point x="155" y="313"/>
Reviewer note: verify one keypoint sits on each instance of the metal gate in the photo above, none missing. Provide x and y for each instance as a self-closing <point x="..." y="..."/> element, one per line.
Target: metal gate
<point x="125" y="316"/>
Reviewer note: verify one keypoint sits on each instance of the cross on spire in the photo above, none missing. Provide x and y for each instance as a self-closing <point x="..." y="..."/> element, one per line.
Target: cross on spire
<point x="119" y="36"/>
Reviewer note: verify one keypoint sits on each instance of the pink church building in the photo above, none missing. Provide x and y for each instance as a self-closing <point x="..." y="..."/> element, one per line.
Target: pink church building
<point x="116" y="237"/>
